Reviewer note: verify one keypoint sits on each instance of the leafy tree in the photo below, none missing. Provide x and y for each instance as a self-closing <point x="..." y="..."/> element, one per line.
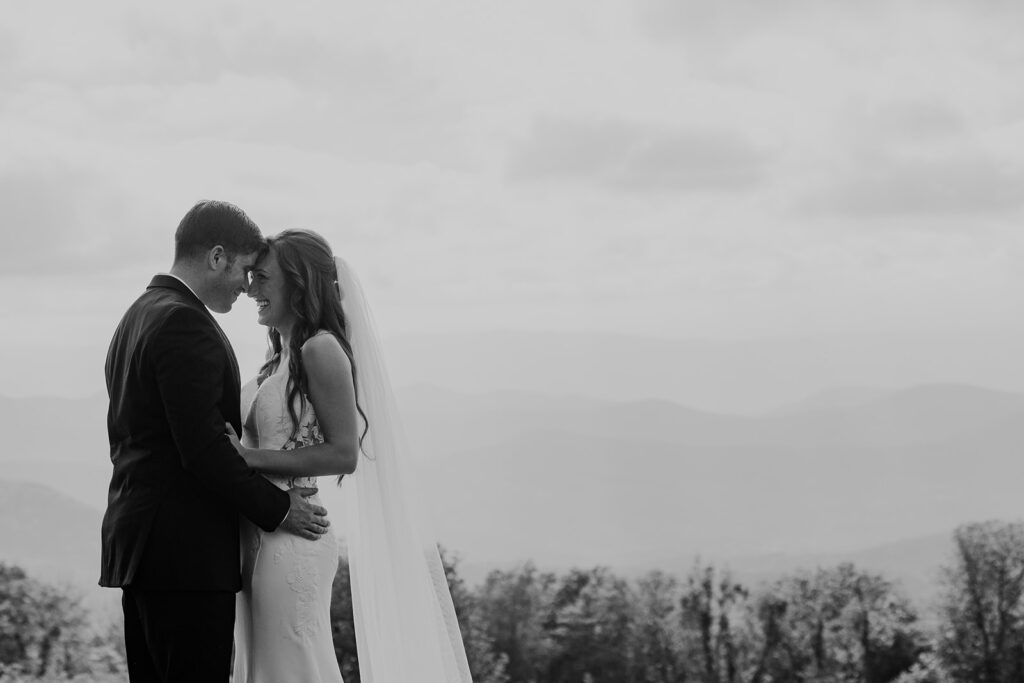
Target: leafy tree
<point x="720" y="639"/>
<point x="771" y="651"/>
<point x="982" y="633"/>
<point x="927" y="669"/>
<point x="485" y="665"/>
<point x="841" y="624"/>
<point x="590" y="626"/>
<point x="657" y="648"/>
<point x="45" y="633"/>
<point x="513" y="607"/>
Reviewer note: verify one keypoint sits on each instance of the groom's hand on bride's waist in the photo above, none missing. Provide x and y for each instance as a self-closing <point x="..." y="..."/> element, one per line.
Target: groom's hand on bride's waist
<point x="303" y="518"/>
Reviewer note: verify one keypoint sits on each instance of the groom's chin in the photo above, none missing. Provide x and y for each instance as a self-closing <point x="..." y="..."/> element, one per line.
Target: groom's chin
<point x="226" y="305"/>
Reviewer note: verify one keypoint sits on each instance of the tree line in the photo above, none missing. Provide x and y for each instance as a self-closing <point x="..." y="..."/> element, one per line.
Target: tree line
<point x="833" y="624"/>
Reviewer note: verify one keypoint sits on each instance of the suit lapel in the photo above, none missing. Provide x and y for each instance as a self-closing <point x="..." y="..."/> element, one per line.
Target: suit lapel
<point x="231" y="357"/>
<point x="171" y="282"/>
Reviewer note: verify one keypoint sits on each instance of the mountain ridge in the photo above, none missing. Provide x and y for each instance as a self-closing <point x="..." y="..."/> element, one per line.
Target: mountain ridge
<point x="569" y="480"/>
<point x="65" y="549"/>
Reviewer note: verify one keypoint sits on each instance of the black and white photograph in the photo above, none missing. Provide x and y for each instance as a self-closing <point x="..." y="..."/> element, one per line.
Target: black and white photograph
<point x="509" y="341"/>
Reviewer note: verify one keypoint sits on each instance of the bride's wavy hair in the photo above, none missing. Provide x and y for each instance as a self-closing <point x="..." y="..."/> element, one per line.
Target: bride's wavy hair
<point x="311" y="279"/>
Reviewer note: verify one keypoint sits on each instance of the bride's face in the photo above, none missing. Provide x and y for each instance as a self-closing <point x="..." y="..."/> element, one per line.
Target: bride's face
<point x="270" y="292"/>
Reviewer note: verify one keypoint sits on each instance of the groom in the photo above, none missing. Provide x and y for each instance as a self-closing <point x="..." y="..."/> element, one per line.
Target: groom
<point x="170" y="532"/>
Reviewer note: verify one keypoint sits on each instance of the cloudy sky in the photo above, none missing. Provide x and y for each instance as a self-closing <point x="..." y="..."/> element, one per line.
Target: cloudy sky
<point x="669" y="168"/>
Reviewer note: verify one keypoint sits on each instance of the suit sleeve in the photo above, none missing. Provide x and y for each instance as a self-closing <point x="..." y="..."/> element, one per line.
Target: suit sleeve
<point x="190" y="363"/>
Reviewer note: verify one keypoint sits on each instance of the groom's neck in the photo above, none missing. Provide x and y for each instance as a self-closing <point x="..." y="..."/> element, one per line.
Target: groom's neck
<point x="190" y="277"/>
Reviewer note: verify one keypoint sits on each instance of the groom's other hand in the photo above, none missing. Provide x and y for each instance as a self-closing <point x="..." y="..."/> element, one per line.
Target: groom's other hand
<point x="304" y="519"/>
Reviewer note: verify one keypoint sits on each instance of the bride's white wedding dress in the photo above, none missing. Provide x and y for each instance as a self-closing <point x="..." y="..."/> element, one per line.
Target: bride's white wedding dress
<point x="405" y="623"/>
<point x="282" y="614"/>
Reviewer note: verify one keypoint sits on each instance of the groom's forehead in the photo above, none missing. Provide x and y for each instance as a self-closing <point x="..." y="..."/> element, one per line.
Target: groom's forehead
<point x="247" y="261"/>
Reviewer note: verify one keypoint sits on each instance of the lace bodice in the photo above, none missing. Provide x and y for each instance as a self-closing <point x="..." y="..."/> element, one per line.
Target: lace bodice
<point x="268" y="424"/>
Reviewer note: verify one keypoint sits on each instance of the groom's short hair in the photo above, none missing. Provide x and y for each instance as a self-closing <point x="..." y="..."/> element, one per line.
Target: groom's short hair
<point x="210" y="223"/>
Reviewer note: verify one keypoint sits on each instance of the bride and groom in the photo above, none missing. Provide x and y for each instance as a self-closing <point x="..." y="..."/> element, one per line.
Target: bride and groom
<point x="214" y="530"/>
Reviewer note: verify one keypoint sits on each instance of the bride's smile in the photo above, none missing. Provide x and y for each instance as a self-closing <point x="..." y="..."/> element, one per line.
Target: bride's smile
<point x="269" y="289"/>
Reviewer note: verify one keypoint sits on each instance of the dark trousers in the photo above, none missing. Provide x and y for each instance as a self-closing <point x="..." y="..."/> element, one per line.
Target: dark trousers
<point x="173" y="636"/>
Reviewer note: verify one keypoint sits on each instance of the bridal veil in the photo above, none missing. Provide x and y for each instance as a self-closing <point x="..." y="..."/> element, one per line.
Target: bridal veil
<point x="405" y="623"/>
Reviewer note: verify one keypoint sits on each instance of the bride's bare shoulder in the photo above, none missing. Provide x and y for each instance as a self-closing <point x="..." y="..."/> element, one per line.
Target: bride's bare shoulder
<point x="322" y="351"/>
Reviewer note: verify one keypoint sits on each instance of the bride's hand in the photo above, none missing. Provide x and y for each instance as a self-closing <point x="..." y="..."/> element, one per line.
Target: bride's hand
<point x="233" y="438"/>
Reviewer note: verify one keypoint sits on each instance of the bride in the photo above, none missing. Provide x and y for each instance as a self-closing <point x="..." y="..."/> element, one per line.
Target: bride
<point x="322" y="405"/>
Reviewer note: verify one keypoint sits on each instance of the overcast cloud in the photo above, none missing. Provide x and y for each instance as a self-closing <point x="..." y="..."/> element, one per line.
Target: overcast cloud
<point x="666" y="167"/>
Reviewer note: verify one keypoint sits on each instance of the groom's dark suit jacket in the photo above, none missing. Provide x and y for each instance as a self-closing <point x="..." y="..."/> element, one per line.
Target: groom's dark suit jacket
<point x="178" y="485"/>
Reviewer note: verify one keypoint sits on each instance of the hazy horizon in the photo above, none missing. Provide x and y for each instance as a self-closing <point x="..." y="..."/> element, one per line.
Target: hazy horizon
<point x="740" y="376"/>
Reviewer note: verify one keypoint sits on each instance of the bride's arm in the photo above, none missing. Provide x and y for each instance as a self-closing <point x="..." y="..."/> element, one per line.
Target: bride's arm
<point x="332" y="393"/>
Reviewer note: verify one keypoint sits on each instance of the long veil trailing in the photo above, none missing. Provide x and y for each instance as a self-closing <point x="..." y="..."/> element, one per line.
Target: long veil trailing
<point x="405" y="623"/>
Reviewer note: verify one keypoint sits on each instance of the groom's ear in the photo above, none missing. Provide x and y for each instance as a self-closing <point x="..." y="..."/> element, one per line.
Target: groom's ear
<point x="216" y="258"/>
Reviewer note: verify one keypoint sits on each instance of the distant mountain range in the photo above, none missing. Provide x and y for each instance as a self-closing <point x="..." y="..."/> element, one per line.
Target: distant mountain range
<point x="48" y="532"/>
<point x="569" y="480"/>
<point x="831" y="399"/>
<point x="445" y="422"/>
<point x="752" y="376"/>
<point x="57" y="539"/>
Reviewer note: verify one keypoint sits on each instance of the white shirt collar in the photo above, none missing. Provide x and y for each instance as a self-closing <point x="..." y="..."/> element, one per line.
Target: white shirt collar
<point x="184" y="283"/>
